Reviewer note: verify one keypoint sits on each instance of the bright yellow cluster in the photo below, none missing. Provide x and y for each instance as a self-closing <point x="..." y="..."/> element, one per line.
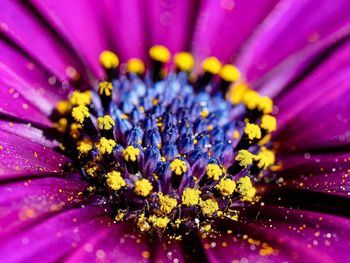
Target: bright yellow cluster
<point x="209" y="207"/>
<point x="252" y="131"/>
<point x="246" y="189"/>
<point x="265" y="158"/>
<point x="237" y="92"/>
<point x="135" y="66"/>
<point x="190" y="197"/>
<point x="85" y="146"/>
<point x="166" y="203"/>
<point x="115" y="180"/>
<point x="178" y="166"/>
<point x="63" y="106"/>
<point x="268" y="123"/>
<point x="109" y="60"/>
<point x="159" y="222"/>
<point x="105" y="88"/>
<point x="159" y="53"/>
<point x="80" y="98"/>
<point x="226" y="187"/>
<point x="143" y="187"/>
<point x="250" y="99"/>
<point x="211" y="65"/>
<point x="184" y="61"/>
<point x="130" y="153"/>
<point x="213" y="171"/>
<point x="105" y="123"/>
<point x="106" y="146"/>
<point x="245" y="158"/>
<point x="265" y="105"/>
<point x="230" y="73"/>
<point x="80" y="113"/>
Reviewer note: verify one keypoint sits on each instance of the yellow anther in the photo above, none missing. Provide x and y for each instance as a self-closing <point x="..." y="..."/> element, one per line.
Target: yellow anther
<point x="120" y="215"/>
<point x="80" y="98"/>
<point x="63" y="106"/>
<point x="109" y="59"/>
<point x="166" y="203"/>
<point x="204" y="113"/>
<point x="190" y="197"/>
<point x="143" y="224"/>
<point x="244" y="158"/>
<point x="159" y="53"/>
<point x="75" y="130"/>
<point x="209" y="207"/>
<point x="143" y="187"/>
<point x="130" y="153"/>
<point x="178" y="166"/>
<point x="226" y="187"/>
<point x="105" y="146"/>
<point x="184" y="61"/>
<point x="105" y="88"/>
<point x="61" y="125"/>
<point x="85" y="146"/>
<point x="91" y="169"/>
<point x="265" y="158"/>
<point x="80" y="113"/>
<point x="105" y="123"/>
<point x="115" y="180"/>
<point x="214" y="171"/>
<point x="230" y="73"/>
<point x="251" y="99"/>
<point x="252" y="131"/>
<point x="246" y="189"/>
<point x="211" y="65"/>
<point x="159" y="222"/>
<point x="135" y="66"/>
<point x="236" y="134"/>
<point x="265" y="105"/>
<point x="268" y="123"/>
<point x="236" y="93"/>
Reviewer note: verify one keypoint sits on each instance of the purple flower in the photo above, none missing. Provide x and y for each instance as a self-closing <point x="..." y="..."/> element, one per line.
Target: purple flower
<point x="165" y="156"/>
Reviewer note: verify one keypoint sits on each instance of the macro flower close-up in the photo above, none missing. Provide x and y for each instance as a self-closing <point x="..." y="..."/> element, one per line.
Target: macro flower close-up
<point x="175" y="131"/>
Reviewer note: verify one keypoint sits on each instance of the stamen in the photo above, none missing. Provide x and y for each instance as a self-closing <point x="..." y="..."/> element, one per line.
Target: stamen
<point x="106" y="125"/>
<point x="190" y="197"/>
<point x="105" y="92"/>
<point x="184" y="61"/>
<point x="160" y="55"/>
<point x="136" y="66"/>
<point x="143" y="187"/>
<point x="115" y="180"/>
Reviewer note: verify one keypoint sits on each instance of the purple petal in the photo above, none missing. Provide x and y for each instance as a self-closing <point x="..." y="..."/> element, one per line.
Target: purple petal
<point x="82" y="24"/>
<point x="20" y="157"/>
<point x="222" y="26"/>
<point x="54" y="237"/>
<point x="292" y="26"/>
<point x="22" y="27"/>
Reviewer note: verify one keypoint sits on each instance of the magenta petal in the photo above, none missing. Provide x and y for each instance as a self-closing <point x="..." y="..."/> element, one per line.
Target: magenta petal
<point x="82" y="24"/>
<point x="54" y="237"/>
<point x="20" y="157"/>
<point x="291" y="27"/>
<point x="22" y="27"/>
<point x="31" y="201"/>
<point x="222" y="26"/>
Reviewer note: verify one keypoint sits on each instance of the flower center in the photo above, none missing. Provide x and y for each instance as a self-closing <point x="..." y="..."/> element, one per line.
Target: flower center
<point x="165" y="149"/>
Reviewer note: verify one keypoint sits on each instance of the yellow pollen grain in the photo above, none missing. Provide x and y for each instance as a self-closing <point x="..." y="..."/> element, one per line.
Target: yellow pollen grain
<point x="190" y="197"/>
<point x="167" y="203"/>
<point x="120" y="215"/>
<point x="105" y="88"/>
<point x="115" y="180"/>
<point x="91" y="169"/>
<point x="236" y="134"/>
<point x="211" y="65"/>
<point x="237" y="92"/>
<point x="184" y="61"/>
<point x="204" y="113"/>
<point x="130" y="153"/>
<point x="135" y="66"/>
<point x="268" y="123"/>
<point x="265" y="105"/>
<point x="246" y="189"/>
<point x="80" y="113"/>
<point x="226" y="187"/>
<point x="159" y="53"/>
<point x="244" y="158"/>
<point x="230" y="73"/>
<point x="105" y="146"/>
<point x="250" y="99"/>
<point x="143" y="187"/>
<point x="213" y="171"/>
<point x="178" y="166"/>
<point x="265" y="158"/>
<point x="84" y="146"/>
<point x="80" y="98"/>
<point x="105" y="123"/>
<point x="63" y="106"/>
<point x="159" y="222"/>
<point x="109" y="59"/>
<point x="209" y="207"/>
<point x="252" y="131"/>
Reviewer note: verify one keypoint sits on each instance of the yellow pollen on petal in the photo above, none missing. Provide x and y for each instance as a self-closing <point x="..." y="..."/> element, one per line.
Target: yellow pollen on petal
<point x="143" y="187"/>
<point x="80" y="98"/>
<point x="265" y="105"/>
<point x="268" y="123"/>
<point x="250" y="99"/>
<point x="252" y="131"/>
<point x="209" y="207"/>
<point x="237" y="92"/>
<point x="211" y="65"/>
<point x="130" y="153"/>
<point x="80" y="113"/>
<point x="265" y="158"/>
<point x="245" y="158"/>
<point x="178" y="166"/>
<point x="159" y="222"/>
<point x="63" y="106"/>
<point x="190" y="197"/>
<point x="167" y="203"/>
<point x="115" y="180"/>
<point x="105" y="88"/>
<point x="109" y="59"/>
<point x="105" y="123"/>
<point x="135" y="66"/>
<point x="159" y="53"/>
<point x="230" y="73"/>
<point x="214" y="171"/>
<point x="184" y="61"/>
<point x="226" y="187"/>
<point x="85" y="146"/>
<point x="105" y="146"/>
<point x="246" y="188"/>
